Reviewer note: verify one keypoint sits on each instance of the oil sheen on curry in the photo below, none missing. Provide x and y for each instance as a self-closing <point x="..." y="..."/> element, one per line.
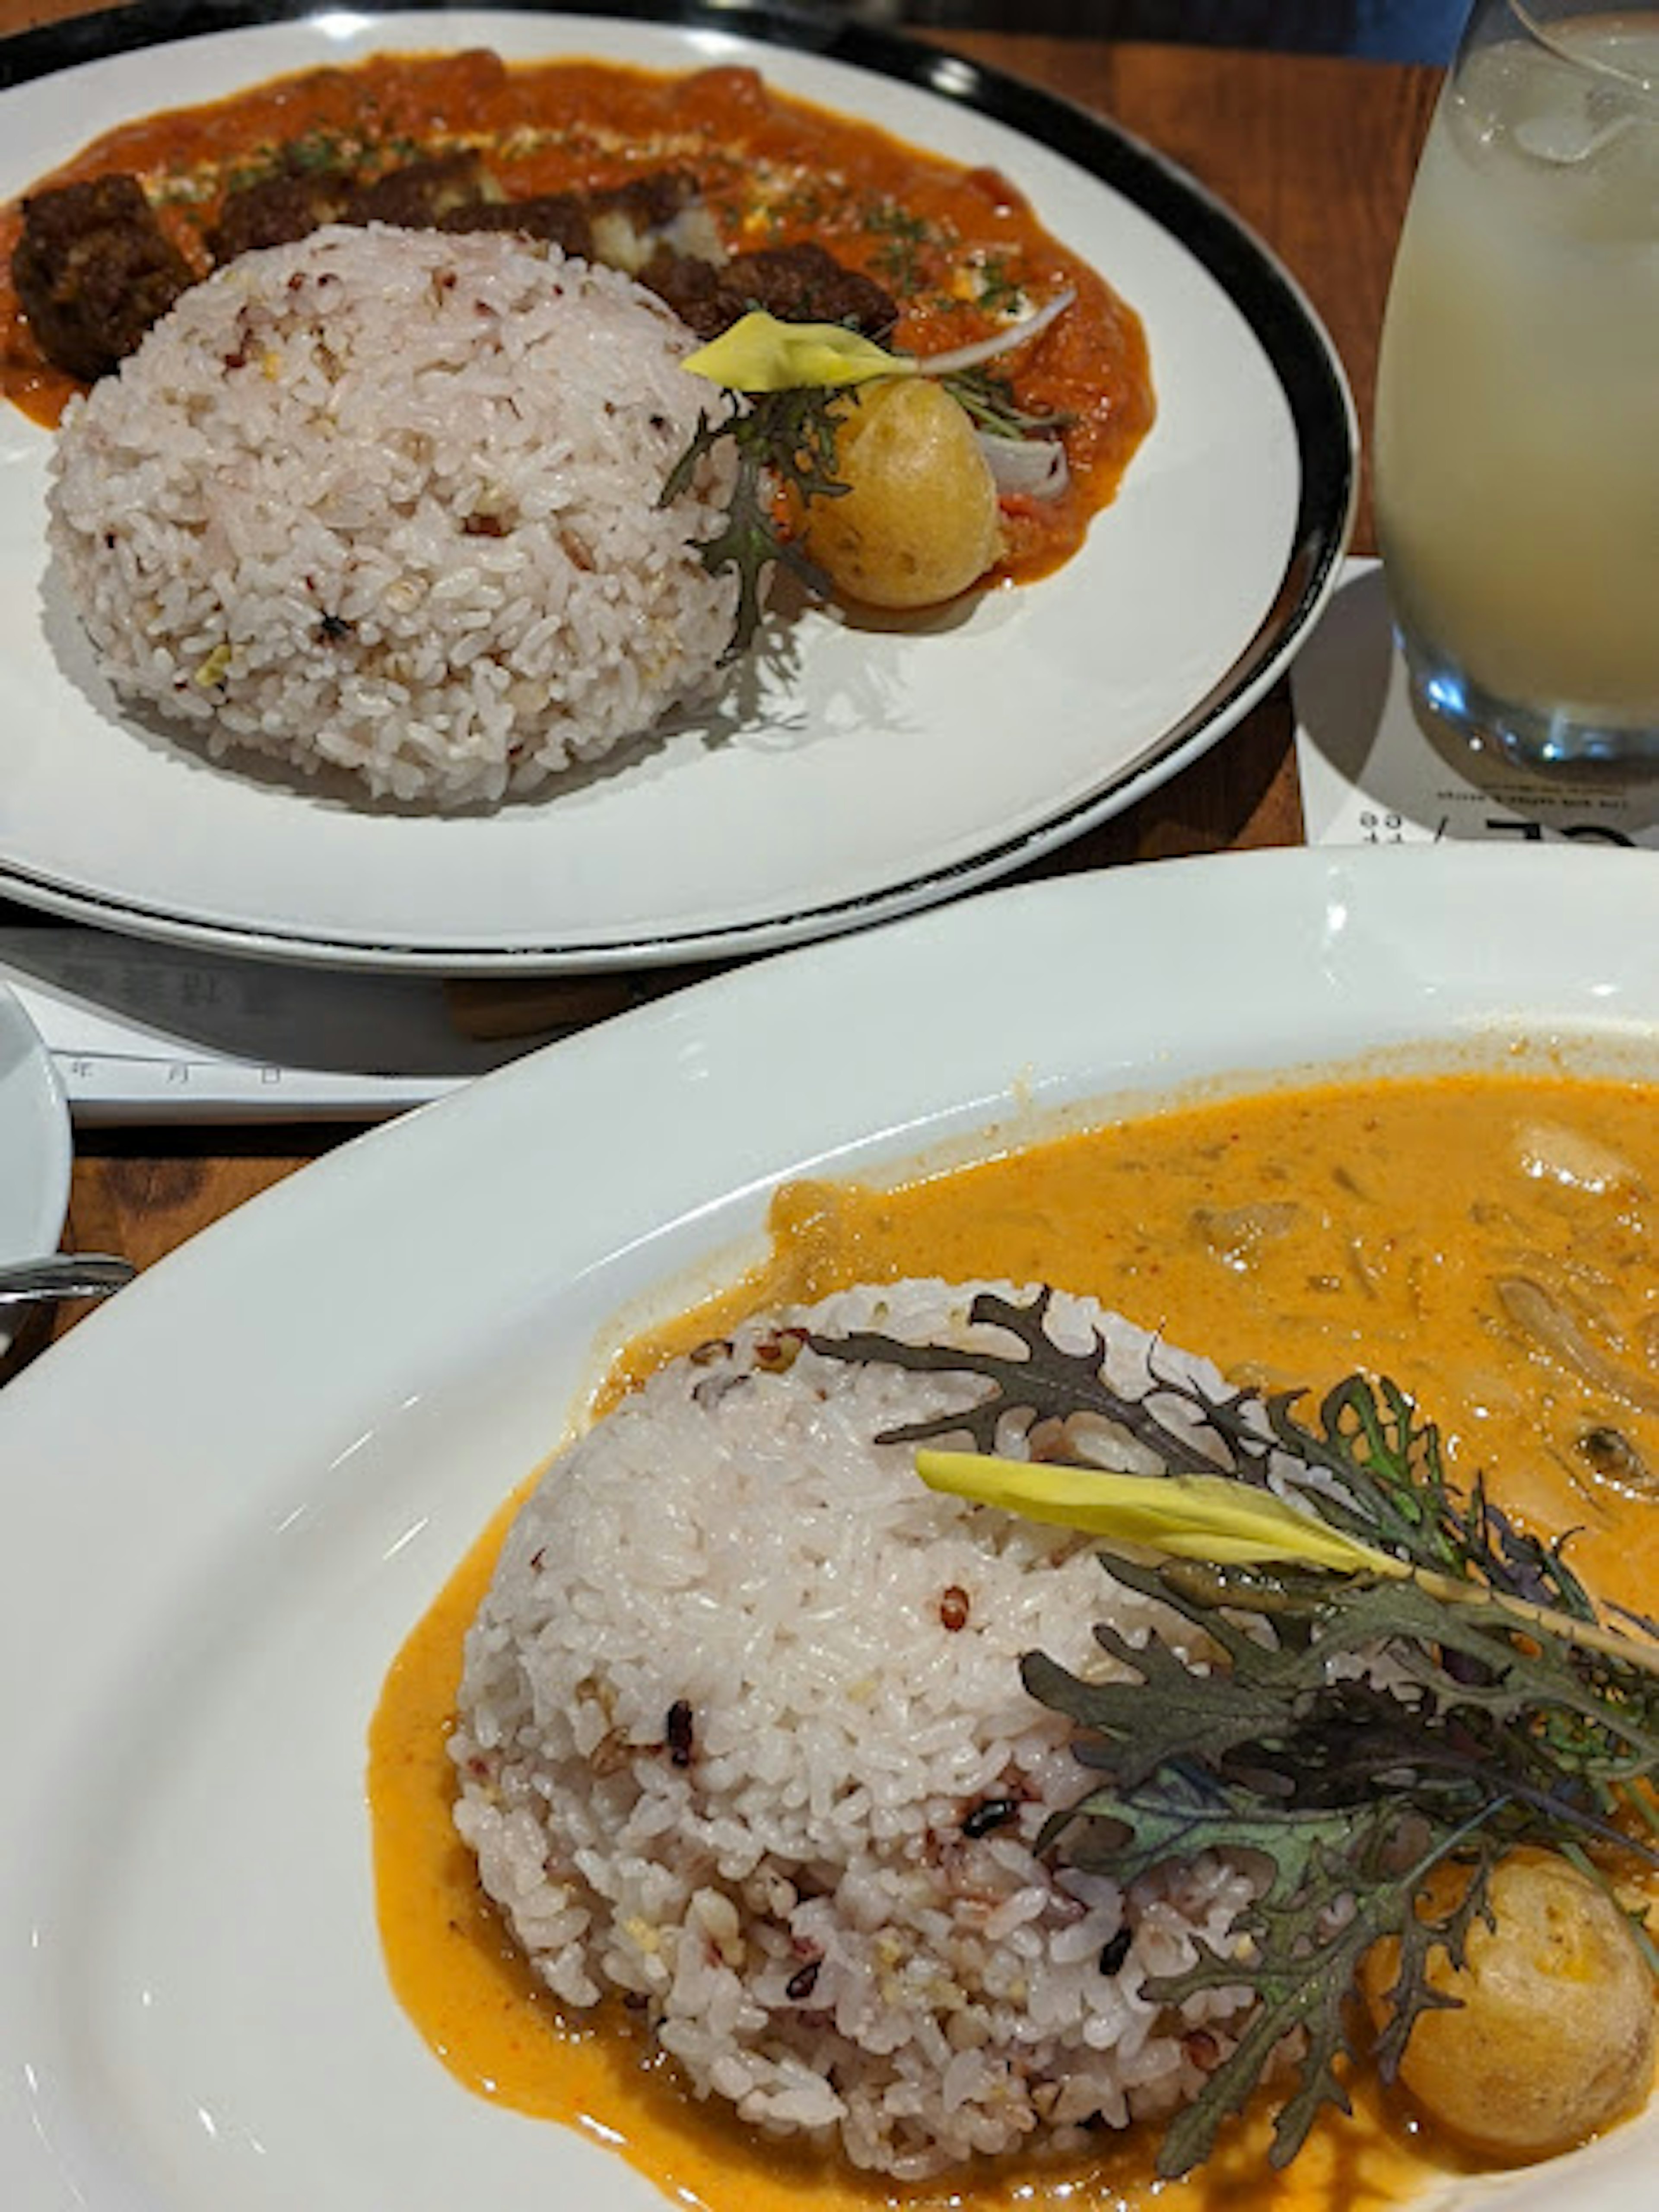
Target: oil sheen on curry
<point x="1485" y="1239"/>
<point x="957" y="253"/>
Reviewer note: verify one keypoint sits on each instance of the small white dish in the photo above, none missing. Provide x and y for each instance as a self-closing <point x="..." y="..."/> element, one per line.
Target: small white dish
<point x="35" y="1146"/>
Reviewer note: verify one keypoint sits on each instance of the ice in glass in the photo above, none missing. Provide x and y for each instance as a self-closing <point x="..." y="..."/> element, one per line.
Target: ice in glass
<point x="1516" y="445"/>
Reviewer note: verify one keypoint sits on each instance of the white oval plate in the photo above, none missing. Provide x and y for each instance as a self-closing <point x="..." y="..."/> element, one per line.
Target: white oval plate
<point x="230" y="1494"/>
<point x="36" y="1149"/>
<point x="901" y="765"/>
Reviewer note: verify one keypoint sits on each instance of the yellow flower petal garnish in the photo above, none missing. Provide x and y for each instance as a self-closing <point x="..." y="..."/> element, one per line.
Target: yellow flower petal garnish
<point x="1229" y="1524"/>
<point x="760" y="354"/>
<point x="1185" y="1516"/>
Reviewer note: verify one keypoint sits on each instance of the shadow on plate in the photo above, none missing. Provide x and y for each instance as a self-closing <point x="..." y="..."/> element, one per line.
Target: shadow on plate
<point x="757" y="700"/>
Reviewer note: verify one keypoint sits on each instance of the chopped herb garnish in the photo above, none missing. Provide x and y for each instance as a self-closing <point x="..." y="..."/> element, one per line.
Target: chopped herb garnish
<point x="903" y="234"/>
<point x="313" y="149"/>
<point x="998" y="289"/>
<point x="803" y="204"/>
<point x="1443" y="1691"/>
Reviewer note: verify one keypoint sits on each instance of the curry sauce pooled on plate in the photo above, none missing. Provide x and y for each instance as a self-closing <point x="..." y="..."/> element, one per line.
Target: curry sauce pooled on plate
<point x="675" y="176"/>
<point x="1164" y="1754"/>
<point x="388" y="444"/>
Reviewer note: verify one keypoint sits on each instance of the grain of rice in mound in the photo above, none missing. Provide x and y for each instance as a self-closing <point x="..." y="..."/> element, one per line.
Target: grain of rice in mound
<point x="743" y="1742"/>
<point x="387" y="501"/>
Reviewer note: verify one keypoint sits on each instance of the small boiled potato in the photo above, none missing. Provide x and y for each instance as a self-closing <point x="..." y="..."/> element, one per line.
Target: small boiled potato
<point x="918" y="521"/>
<point x="1554" y="2038"/>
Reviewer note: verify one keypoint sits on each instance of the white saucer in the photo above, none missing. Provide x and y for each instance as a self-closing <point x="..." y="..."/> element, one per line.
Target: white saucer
<point x="35" y="1144"/>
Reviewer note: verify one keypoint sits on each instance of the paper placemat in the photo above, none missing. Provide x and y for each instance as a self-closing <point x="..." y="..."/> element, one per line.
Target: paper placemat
<point x="1371" y="775"/>
<point x="144" y="1031"/>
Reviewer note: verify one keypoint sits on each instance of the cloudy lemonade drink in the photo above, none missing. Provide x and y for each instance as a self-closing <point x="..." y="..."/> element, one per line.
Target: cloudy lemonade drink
<point x="1517" y="421"/>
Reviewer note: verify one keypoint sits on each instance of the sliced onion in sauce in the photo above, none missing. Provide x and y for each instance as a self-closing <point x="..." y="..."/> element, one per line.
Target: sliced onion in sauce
<point x="1001" y="342"/>
<point x="1556" y="1153"/>
<point x="1235" y="1234"/>
<point x="1543" y="1319"/>
<point x="1033" y="468"/>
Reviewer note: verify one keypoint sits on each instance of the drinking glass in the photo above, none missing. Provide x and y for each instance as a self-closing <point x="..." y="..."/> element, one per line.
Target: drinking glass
<point x="1516" y="436"/>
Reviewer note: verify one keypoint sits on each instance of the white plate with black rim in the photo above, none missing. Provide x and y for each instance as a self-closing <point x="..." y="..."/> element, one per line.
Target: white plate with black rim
<point x="901" y="765"/>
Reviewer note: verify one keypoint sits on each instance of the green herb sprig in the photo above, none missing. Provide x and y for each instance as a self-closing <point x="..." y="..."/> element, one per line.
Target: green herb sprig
<point x="779" y="438"/>
<point x="990" y="403"/>
<point x="1349" y="1730"/>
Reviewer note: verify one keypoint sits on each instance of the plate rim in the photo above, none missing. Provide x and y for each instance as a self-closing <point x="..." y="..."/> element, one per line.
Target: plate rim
<point x="1286" y="874"/>
<point x="1306" y="369"/>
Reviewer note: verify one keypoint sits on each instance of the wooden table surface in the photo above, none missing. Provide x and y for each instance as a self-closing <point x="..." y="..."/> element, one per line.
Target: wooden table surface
<point x="1317" y="155"/>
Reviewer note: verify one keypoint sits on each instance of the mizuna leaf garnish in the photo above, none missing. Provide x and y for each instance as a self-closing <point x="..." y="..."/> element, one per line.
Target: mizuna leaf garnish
<point x="1367" y="1675"/>
<point x="780" y="438"/>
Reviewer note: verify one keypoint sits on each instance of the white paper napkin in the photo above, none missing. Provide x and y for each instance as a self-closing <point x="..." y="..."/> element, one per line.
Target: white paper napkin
<point x="1372" y="776"/>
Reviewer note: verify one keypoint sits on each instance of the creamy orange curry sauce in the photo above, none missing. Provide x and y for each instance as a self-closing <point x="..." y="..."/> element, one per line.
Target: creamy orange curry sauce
<point x="1485" y="1240"/>
<point x="960" y="250"/>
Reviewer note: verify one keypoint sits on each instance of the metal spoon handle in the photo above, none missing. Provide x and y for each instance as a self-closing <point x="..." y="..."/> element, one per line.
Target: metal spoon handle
<point x="63" y="1275"/>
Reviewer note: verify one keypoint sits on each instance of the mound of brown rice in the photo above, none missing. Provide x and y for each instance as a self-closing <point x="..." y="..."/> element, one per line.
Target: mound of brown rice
<point x="731" y="1711"/>
<point x="387" y="499"/>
